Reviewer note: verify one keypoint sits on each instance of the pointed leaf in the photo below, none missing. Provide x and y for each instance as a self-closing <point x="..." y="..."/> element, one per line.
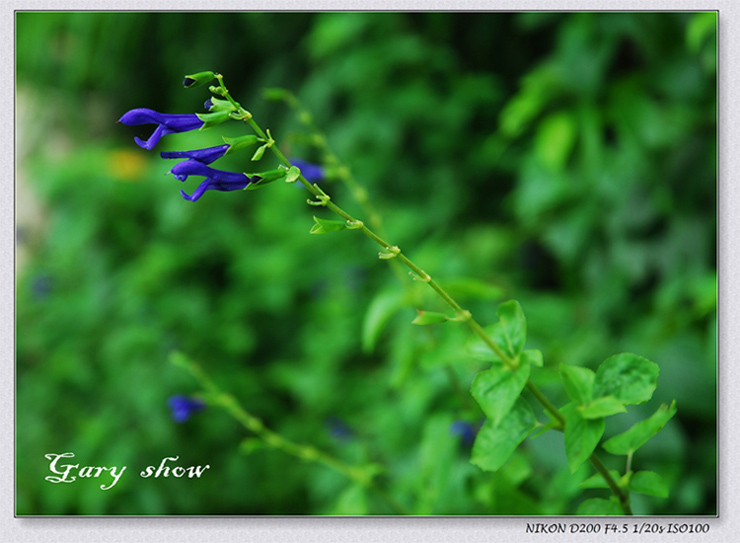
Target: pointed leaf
<point x="634" y="438"/>
<point x="533" y="357"/>
<point x="581" y="436"/>
<point x="597" y="481"/>
<point x="497" y="389"/>
<point x="494" y="444"/>
<point x="579" y="383"/>
<point x="629" y="378"/>
<point x="602" y="407"/>
<point x="509" y="334"/>
<point x="259" y="152"/>
<point x="381" y="309"/>
<point x="650" y="483"/>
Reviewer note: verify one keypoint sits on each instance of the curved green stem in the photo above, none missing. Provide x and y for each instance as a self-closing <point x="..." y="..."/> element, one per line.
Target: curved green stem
<point x="362" y="475"/>
<point x="421" y="275"/>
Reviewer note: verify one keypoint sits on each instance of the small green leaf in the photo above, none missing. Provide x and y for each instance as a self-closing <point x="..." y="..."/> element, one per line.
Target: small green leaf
<point x="629" y="378"/>
<point x="381" y="309"/>
<point x="579" y="383"/>
<point x="293" y="174"/>
<point x="323" y="226"/>
<point x="597" y="481"/>
<point x="259" y="152"/>
<point x="509" y="334"/>
<point x="634" y="438"/>
<point x="602" y="407"/>
<point x="581" y="436"/>
<point x="533" y="357"/>
<point x="494" y="444"/>
<point x="497" y="389"/>
<point x="650" y="483"/>
<point x="429" y="317"/>
<point x="598" y="507"/>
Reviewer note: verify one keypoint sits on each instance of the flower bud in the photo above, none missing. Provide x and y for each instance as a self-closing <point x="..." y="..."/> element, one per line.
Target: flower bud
<point x="196" y="80"/>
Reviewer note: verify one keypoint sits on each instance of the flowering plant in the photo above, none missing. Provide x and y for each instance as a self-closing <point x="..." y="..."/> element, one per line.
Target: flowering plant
<point x="504" y="392"/>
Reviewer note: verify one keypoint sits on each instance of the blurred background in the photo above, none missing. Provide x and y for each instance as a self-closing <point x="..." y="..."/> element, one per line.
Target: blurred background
<point x="567" y="160"/>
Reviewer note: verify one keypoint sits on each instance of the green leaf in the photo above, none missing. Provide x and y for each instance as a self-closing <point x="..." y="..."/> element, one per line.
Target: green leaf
<point x="532" y="356"/>
<point x="497" y="389"/>
<point x="602" y="407"/>
<point x="259" y="152"/>
<point x="554" y="140"/>
<point x="650" y="483"/>
<point x="597" y="481"/>
<point x="634" y="438"/>
<point x="629" y="378"/>
<point x="579" y="383"/>
<point x="323" y="226"/>
<point x="494" y="444"/>
<point x="293" y="174"/>
<point x="429" y="317"/>
<point x="581" y="436"/>
<point x="509" y="334"/>
<point x="597" y="507"/>
<point x="381" y="309"/>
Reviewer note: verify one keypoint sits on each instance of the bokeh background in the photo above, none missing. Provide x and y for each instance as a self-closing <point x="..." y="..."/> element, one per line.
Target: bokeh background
<point x="567" y="160"/>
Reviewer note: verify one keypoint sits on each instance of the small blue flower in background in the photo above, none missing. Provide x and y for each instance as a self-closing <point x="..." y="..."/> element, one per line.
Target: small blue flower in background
<point x="214" y="179"/>
<point x="41" y="287"/>
<point x="312" y="172"/>
<point x="338" y="429"/>
<point x="183" y="407"/>
<point x="167" y="124"/>
<point x="204" y="156"/>
<point x="465" y="430"/>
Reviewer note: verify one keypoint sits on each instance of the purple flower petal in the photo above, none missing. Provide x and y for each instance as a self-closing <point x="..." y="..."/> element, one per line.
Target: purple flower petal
<point x="183" y="407"/>
<point x="204" y="156"/>
<point x="167" y="124"/>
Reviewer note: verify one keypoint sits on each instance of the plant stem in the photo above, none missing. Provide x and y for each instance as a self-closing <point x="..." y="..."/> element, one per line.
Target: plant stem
<point x="419" y="274"/>
<point x="361" y="475"/>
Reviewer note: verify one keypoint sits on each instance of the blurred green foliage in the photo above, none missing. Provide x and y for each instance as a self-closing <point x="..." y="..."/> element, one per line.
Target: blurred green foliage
<point x="567" y="160"/>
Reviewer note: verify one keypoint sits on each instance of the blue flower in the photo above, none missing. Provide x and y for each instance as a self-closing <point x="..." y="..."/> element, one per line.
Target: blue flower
<point x="466" y="431"/>
<point x="312" y="172"/>
<point x="338" y="429"/>
<point x="204" y="156"/>
<point x="182" y="407"/>
<point x="214" y="179"/>
<point x="167" y="124"/>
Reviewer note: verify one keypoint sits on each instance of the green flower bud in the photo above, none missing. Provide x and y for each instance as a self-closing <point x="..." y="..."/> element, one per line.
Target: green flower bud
<point x="214" y="104"/>
<point x="196" y="80"/>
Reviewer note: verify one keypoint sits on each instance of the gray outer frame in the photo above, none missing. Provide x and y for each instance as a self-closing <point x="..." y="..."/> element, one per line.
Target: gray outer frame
<point x="408" y="529"/>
